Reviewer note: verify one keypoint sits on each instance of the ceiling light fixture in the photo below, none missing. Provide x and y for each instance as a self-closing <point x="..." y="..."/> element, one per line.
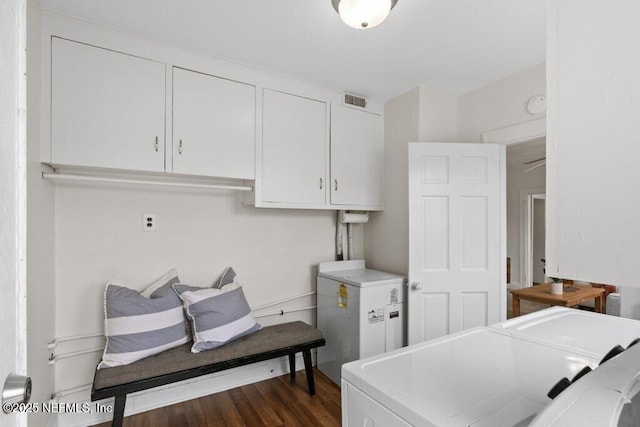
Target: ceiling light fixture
<point x="363" y="13"/>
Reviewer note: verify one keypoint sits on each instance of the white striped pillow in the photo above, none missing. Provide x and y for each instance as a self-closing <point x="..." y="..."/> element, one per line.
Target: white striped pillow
<point x="141" y="324"/>
<point x="217" y="315"/>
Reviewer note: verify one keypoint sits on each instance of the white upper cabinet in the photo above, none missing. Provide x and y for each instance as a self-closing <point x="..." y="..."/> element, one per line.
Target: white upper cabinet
<point x="107" y="108"/>
<point x="357" y="151"/>
<point x="294" y="149"/>
<point x="213" y="126"/>
<point x="112" y="109"/>
<point x="296" y="172"/>
<point x="593" y="141"/>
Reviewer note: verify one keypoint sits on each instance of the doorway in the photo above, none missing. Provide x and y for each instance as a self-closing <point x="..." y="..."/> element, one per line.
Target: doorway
<point x="526" y="224"/>
<point x="538" y="233"/>
<point x="526" y="184"/>
<point x="535" y="224"/>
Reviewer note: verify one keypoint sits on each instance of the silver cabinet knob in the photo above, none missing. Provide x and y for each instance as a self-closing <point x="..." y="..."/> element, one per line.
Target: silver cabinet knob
<point x="416" y="286"/>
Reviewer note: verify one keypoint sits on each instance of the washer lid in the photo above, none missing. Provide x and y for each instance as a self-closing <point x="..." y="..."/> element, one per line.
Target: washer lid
<point x="591" y="333"/>
<point x="478" y="376"/>
<point x="363" y="277"/>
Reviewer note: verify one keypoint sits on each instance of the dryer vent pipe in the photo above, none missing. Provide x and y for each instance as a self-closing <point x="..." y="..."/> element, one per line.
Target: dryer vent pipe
<point x="348" y="218"/>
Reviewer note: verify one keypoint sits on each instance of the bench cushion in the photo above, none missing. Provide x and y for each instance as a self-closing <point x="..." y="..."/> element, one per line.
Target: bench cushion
<point x="268" y="339"/>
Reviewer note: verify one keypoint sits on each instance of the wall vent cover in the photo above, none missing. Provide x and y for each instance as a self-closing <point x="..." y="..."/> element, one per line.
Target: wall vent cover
<point x="355" y="101"/>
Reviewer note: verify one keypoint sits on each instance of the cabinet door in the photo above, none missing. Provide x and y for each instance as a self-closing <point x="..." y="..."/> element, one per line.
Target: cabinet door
<point x="107" y="108"/>
<point x="213" y="126"/>
<point x="357" y="150"/>
<point x="293" y="149"/>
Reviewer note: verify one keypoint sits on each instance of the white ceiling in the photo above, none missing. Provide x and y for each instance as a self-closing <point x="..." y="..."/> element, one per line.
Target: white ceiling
<point x="455" y="45"/>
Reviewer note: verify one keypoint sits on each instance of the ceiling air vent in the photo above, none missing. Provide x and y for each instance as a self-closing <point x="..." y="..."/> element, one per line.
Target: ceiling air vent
<point x="355" y="101"/>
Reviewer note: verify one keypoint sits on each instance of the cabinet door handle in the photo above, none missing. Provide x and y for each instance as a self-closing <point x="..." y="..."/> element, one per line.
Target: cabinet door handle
<point x="157" y="145"/>
<point x="321" y="183"/>
<point x="336" y="181"/>
<point x="180" y="147"/>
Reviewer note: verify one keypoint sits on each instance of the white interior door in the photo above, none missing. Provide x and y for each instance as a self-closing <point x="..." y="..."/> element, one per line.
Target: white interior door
<point x="12" y="195"/>
<point x="457" y="227"/>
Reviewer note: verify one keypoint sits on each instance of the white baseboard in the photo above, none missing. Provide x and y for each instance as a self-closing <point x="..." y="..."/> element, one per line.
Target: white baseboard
<point x="185" y="390"/>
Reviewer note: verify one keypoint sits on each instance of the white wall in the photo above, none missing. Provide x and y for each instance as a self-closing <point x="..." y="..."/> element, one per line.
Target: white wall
<point x="421" y="115"/>
<point x="593" y="151"/>
<point x="438" y="116"/>
<point x="99" y="236"/>
<point x="500" y="104"/>
<point x="386" y="244"/>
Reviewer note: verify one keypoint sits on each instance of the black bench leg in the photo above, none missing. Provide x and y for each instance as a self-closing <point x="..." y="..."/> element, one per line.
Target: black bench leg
<point x="292" y="365"/>
<point x="308" y="367"/>
<point x="118" y="410"/>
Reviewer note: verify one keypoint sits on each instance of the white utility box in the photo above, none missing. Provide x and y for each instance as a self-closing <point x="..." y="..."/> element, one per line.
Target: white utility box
<point x="361" y="313"/>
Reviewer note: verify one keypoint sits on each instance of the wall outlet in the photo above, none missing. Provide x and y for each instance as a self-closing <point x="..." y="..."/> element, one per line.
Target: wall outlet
<point x="148" y="222"/>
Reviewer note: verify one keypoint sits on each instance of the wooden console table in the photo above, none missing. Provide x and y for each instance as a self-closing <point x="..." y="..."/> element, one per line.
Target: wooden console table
<point x="569" y="298"/>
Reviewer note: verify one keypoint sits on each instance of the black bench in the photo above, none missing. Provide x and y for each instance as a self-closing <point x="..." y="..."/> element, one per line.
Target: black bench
<point x="179" y="363"/>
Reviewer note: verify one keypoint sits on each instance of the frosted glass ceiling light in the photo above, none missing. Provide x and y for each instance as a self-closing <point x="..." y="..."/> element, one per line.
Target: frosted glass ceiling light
<point x="363" y="13"/>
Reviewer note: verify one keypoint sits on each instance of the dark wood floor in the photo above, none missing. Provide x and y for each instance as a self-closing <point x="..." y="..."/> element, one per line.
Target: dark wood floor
<point x="279" y="401"/>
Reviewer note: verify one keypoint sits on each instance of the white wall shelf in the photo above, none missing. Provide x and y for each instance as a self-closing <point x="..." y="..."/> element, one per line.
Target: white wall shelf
<point x="158" y="181"/>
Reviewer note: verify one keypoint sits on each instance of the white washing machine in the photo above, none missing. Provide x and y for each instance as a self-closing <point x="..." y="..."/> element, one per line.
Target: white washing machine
<point x="500" y="375"/>
<point x="361" y="313"/>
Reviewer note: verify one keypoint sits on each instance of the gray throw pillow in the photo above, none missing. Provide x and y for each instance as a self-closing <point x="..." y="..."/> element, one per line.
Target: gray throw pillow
<point x="137" y="326"/>
<point x="217" y="316"/>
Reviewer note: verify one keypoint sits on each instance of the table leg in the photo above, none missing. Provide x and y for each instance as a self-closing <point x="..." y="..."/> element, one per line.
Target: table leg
<point x="292" y="365"/>
<point x="308" y="367"/>
<point x="599" y="304"/>
<point x="118" y="410"/>
<point x="515" y="305"/>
